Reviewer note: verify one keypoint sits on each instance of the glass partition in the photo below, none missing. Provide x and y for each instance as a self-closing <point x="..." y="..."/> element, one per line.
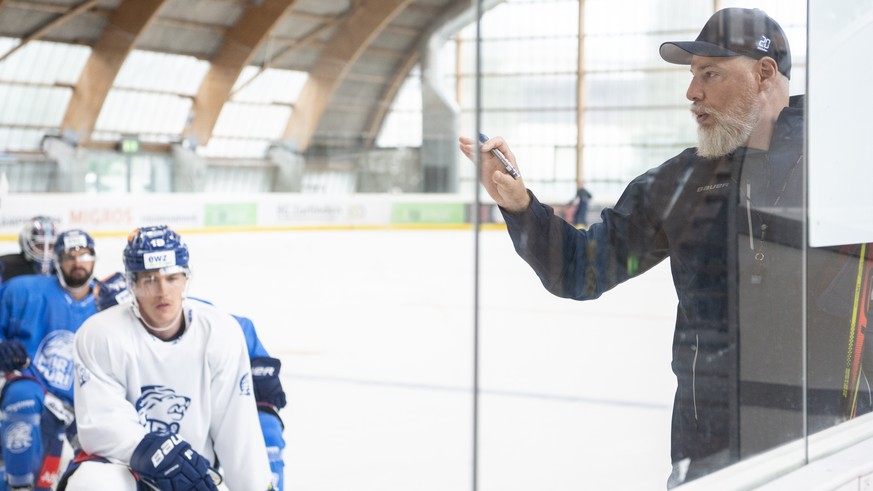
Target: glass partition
<point x="839" y="263"/>
<point x="581" y="395"/>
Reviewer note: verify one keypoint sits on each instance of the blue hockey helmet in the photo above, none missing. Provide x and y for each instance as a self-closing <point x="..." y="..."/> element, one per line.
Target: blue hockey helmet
<point x="37" y="238"/>
<point x="71" y="240"/>
<point x="152" y="248"/>
<point x="67" y="242"/>
<point x="110" y="291"/>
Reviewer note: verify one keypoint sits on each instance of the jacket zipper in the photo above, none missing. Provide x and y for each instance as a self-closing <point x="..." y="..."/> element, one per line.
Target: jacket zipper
<point x="694" y="374"/>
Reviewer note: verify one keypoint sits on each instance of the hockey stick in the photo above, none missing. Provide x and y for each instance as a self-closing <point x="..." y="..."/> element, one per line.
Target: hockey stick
<point x="858" y="326"/>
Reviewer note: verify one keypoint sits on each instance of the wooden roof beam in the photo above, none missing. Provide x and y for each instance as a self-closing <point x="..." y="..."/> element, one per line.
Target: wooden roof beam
<point x="55" y="8"/>
<point x="380" y="110"/>
<point x="341" y="52"/>
<point x="46" y="28"/>
<point x="294" y="45"/>
<point x="240" y="44"/>
<point x="123" y="28"/>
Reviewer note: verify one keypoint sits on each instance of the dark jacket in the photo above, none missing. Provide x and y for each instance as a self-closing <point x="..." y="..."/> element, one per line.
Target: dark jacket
<point x="688" y="209"/>
<point x="12" y="265"/>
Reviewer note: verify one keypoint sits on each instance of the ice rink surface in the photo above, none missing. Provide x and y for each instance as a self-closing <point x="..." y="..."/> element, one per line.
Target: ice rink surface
<point x="375" y="329"/>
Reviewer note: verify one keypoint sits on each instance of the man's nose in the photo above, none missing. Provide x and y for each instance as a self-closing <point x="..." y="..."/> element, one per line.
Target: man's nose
<point x="694" y="92"/>
<point x="160" y="286"/>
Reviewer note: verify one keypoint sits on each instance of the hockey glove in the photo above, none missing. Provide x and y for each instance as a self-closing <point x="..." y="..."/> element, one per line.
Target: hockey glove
<point x="13" y="356"/>
<point x="265" y="377"/>
<point x="168" y="463"/>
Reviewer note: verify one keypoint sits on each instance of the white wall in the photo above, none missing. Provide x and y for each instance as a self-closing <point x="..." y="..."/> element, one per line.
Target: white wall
<point x="839" y="122"/>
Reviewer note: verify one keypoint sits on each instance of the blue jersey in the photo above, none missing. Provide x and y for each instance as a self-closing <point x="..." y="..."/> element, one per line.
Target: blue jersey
<point x="253" y="344"/>
<point x="42" y="316"/>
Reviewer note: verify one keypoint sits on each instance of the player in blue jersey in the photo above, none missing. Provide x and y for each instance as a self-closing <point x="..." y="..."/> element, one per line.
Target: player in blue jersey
<point x="270" y="396"/>
<point x="39" y="315"/>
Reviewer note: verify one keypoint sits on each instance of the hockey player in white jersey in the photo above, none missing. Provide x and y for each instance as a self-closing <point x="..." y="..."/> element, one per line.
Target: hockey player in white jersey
<point x="269" y="394"/>
<point x="163" y="386"/>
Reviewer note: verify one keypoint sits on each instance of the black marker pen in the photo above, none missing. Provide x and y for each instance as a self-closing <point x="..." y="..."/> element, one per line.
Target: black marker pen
<point x="502" y="158"/>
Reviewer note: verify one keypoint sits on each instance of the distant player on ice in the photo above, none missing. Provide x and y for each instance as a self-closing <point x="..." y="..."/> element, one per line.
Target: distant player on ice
<point x="163" y="387"/>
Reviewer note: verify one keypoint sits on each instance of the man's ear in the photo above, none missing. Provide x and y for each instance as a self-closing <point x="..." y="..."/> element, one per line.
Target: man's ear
<point x="766" y="69"/>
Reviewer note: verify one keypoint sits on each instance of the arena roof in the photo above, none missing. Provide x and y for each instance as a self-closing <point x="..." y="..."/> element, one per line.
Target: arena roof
<point x="355" y="54"/>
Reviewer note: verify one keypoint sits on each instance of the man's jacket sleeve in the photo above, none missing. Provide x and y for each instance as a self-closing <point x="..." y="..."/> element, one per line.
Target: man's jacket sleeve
<point x="583" y="264"/>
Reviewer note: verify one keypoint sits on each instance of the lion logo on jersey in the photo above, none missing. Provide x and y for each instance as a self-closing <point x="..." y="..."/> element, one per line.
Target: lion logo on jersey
<point x="245" y="385"/>
<point x="160" y="408"/>
<point x="18" y="437"/>
<point x="54" y="359"/>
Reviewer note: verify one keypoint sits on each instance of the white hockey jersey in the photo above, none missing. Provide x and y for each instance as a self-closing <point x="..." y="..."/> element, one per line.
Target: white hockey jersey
<point x="199" y="385"/>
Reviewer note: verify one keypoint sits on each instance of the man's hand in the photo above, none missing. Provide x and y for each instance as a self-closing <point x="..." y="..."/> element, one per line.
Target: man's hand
<point x="13" y="356"/>
<point x="168" y="463"/>
<point x="508" y="193"/>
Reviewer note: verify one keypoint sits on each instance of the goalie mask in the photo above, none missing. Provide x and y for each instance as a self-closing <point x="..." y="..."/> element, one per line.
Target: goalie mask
<point x="37" y="239"/>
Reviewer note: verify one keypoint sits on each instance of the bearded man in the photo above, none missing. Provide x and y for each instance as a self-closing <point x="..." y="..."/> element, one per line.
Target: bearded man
<point x="728" y="215"/>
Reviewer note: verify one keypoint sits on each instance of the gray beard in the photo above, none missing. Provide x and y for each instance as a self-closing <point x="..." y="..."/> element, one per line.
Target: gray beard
<point x="732" y="129"/>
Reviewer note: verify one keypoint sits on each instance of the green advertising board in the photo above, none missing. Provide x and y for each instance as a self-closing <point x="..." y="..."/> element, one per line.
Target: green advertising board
<point x="436" y="213"/>
<point x="231" y="214"/>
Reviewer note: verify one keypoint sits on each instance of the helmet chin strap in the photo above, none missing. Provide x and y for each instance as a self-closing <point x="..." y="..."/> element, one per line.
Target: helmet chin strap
<point x="173" y="323"/>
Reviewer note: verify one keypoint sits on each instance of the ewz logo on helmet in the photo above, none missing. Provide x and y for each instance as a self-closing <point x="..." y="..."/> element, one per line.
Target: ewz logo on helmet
<point x="154" y="260"/>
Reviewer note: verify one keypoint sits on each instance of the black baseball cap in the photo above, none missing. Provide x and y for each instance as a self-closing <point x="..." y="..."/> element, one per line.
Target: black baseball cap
<point x="735" y="32"/>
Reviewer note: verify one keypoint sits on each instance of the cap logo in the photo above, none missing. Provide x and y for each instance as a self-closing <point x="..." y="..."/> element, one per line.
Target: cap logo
<point x="157" y="260"/>
<point x="764" y="44"/>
